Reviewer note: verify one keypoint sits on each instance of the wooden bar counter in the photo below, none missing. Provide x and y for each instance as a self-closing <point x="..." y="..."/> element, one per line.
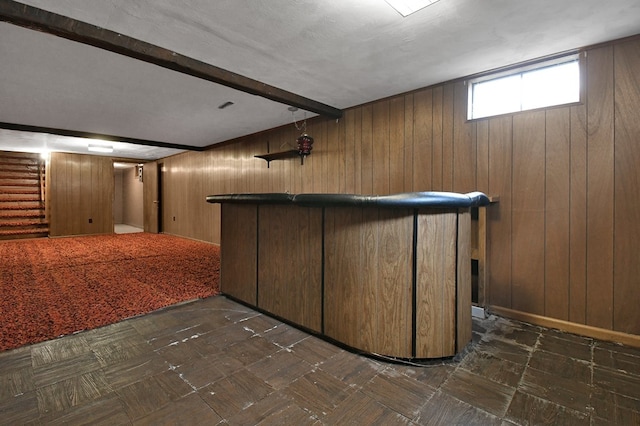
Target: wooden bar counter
<point x="385" y="275"/>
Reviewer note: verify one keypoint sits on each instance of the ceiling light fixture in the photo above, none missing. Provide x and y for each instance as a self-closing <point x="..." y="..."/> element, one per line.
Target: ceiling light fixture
<point x="407" y="7"/>
<point x="105" y="149"/>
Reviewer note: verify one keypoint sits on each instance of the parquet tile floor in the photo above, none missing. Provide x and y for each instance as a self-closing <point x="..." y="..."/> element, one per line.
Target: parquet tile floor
<point x="214" y="361"/>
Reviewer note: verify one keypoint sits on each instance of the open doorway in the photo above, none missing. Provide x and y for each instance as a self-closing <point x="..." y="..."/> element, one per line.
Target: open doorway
<point x="128" y="198"/>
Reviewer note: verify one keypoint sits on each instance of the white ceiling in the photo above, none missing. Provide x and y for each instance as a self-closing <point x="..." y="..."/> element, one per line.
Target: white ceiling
<point x="338" y="52"/>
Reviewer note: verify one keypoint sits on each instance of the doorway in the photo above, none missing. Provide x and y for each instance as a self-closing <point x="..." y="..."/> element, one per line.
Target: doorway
<point x="128" y="198"/>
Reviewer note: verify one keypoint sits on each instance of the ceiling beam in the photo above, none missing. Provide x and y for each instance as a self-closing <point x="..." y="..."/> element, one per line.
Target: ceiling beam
<point x="97" y="136"/>
<point x="82" y="32"/>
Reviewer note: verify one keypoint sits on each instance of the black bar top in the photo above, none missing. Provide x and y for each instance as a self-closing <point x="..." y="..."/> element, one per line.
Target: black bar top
<point x="403" y="200"/>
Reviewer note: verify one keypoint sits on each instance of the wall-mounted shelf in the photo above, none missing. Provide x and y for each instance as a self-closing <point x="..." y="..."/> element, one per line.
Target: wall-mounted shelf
<point x="280" y="156"/>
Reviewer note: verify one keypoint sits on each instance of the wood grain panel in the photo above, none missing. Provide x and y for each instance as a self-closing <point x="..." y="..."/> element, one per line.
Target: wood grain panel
<point x="351" y="151"/>
<point x="239" y="258"/>
<point x="462" y="285"/>
<point x="557" y="213"/>
<point x="448" y="101"/>
<point x="333" y="170"/>
<point x="479" y="240"/>
<point x="345" y="162"/>
<point x="344" y="276"/>
<point x="464" y="143"/>
<point x="149" y="195"/>
<point x="81" y="188"/>
<point x="317" y="159"/>
<point x="368" y="279"/>
<point x="397" y="148"/>
<point x="85" y="202"/>
<point x="381" y="148"/>
<point x="423" y="167"/>
<point x="350" y="243"/>
<point x="290" y="263"/>
<point x="438" y="135"/>
<point x="578" y="216"/>
<point x="367" y="258"/>
<point x="482" y="156"/>
<point x="358" y="152"/>
<point x="76" y="194"/>
<point x="528" y="212"/>
<point x="436" y="284"/>
<point x="394" y="306"/>
<point x="107" y="192"/>
<point x="600" y="187"/>
<point x="367" y="150"/>
<point x="499" y="216"/>
<point x="56" y="193"/>
<point x="407" y="172"/>
<point x="626" y="315"/>
<point x="437" y="161"/>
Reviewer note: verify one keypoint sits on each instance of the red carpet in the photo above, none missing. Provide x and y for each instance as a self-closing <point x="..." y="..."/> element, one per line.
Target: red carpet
<point x="53" y="287"/>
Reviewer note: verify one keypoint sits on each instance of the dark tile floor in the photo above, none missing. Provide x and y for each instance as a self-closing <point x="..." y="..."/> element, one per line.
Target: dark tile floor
<point x="217" y="362"/>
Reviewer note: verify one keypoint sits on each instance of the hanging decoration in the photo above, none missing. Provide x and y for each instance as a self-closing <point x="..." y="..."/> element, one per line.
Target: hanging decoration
<point x="304" y="141"/>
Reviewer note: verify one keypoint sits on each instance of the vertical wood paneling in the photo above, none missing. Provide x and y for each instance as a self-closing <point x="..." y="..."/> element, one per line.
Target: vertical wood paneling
<point x="557" y="213"/>
<point x="479" y="227"/>
<point x="626" y="315"/>
<point x="367" y="260"/>
<point x="334" y="168"/>
<point x="320" y="162"/>
<point x="381" y="148"/>
<point x="89" y="200"/>
<point x="499" y="215"/>
<point x="317" y="159"/>
<point x="600" y="188"/>
<point x="149" y="195"/>
<point x="395" y="228"/>
<point x="290" y="263"/>
<point x="344" y="298"/>
<point x="345" y="173"/>
<point x="464" y="143"/>
<point x="527" y="168"/>
<point x="482" y="156"/>
<point x="238" y="262"/>
<point x="75" y="191"/>
<point x="447" y="137"/>
<point x="351" y="152"/>
<point x="107" y="190"/>
<point x="528" y="212"/>
<point x="56" y="177"/>
<point x="463" y="281"/>
<point x="368" y="278"/>
<point x="367" y="150"/>
<point x="423" y="162"/>
<point x="397" y="168"/>
<point x="358" y="152"/>
<point x="435" y="286"/>
<point x="81" y="188"/>
<point x="408" y="144"/>
<point x="437" y="159"/>
<point x="578" y="216"/>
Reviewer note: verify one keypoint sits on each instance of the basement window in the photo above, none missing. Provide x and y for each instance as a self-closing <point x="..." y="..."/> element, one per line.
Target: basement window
<point x="545" y="84"/>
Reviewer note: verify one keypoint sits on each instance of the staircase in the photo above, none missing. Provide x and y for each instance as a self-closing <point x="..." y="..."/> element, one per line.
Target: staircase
<point x="22" y="189"/>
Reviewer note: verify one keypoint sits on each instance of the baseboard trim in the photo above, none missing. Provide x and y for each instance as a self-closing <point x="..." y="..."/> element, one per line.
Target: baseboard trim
<point x="570" y="327"/>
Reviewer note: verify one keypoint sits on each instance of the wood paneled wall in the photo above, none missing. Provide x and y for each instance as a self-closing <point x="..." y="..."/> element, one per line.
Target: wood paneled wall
<point x="564" y="240"/>
<point x="81" y="188"/>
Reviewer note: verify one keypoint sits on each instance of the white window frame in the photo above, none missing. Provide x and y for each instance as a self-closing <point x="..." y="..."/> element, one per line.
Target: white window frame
<point x="520" y="71"/>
